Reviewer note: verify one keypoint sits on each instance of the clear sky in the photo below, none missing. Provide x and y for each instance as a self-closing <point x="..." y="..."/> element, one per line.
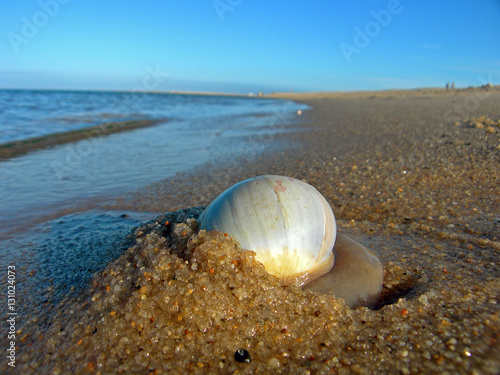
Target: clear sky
<point x="248" y="45"/>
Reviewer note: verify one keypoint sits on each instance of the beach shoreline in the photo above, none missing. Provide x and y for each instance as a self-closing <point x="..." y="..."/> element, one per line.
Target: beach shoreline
<point x="21" y="147"/>
<point x="411" y="180"/>
<point x="388" y="93"/>
<point x="350" y="139"/>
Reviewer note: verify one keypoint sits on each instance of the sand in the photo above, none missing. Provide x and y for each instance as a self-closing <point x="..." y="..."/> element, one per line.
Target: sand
<point x="412" y="177"/>
<point x="18" y="148"/>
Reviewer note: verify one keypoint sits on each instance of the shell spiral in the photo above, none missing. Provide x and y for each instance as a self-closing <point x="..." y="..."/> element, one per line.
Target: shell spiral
<point x="287" y="222"/>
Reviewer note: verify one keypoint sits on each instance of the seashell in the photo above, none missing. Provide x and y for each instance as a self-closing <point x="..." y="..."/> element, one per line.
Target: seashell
<point x="287" y="222"/>
<point x="291" y="228"/>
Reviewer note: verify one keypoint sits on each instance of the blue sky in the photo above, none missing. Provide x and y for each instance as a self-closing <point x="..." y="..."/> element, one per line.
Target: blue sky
<point x="248" y="45"/>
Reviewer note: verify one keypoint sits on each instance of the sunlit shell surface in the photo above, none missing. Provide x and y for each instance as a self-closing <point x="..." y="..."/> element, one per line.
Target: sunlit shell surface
<point x="287" y="222"/>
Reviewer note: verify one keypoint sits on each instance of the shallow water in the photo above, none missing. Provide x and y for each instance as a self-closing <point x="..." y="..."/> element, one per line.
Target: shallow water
<point x="32" y="113"/>
<point x="75" y="176"/>
<point x="58" y="257"/>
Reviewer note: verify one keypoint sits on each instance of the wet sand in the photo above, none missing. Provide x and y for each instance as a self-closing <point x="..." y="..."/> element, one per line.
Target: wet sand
<point x="412" y="177"/>
<point x="18" y="148"/>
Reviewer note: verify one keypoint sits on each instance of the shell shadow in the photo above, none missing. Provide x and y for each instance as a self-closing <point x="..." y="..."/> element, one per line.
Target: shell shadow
<point x="407" y="288"/>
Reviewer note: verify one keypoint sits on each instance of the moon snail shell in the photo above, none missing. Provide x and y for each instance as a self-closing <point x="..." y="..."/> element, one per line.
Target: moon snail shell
<point x="291" y="227"/>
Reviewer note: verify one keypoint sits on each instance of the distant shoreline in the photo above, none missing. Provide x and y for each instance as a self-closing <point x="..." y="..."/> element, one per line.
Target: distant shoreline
<point x="389" y="93"/>
<point x="170" y="92"/>
<point x="22" y="147"/>
<point x="296" y="95"/>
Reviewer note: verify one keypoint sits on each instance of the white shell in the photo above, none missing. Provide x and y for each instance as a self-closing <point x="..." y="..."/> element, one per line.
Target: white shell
<point x="287" y="222"/>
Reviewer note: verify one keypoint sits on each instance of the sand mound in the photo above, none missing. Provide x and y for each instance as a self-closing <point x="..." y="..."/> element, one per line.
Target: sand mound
<point x="179" y="301"/>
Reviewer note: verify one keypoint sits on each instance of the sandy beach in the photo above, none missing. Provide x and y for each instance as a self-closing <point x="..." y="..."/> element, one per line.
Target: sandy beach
<point x="413" y="175"/>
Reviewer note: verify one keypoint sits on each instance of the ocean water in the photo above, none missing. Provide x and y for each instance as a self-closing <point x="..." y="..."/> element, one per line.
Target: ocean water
<point x="46" y="224"/>
<point x="32" y="113"/>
